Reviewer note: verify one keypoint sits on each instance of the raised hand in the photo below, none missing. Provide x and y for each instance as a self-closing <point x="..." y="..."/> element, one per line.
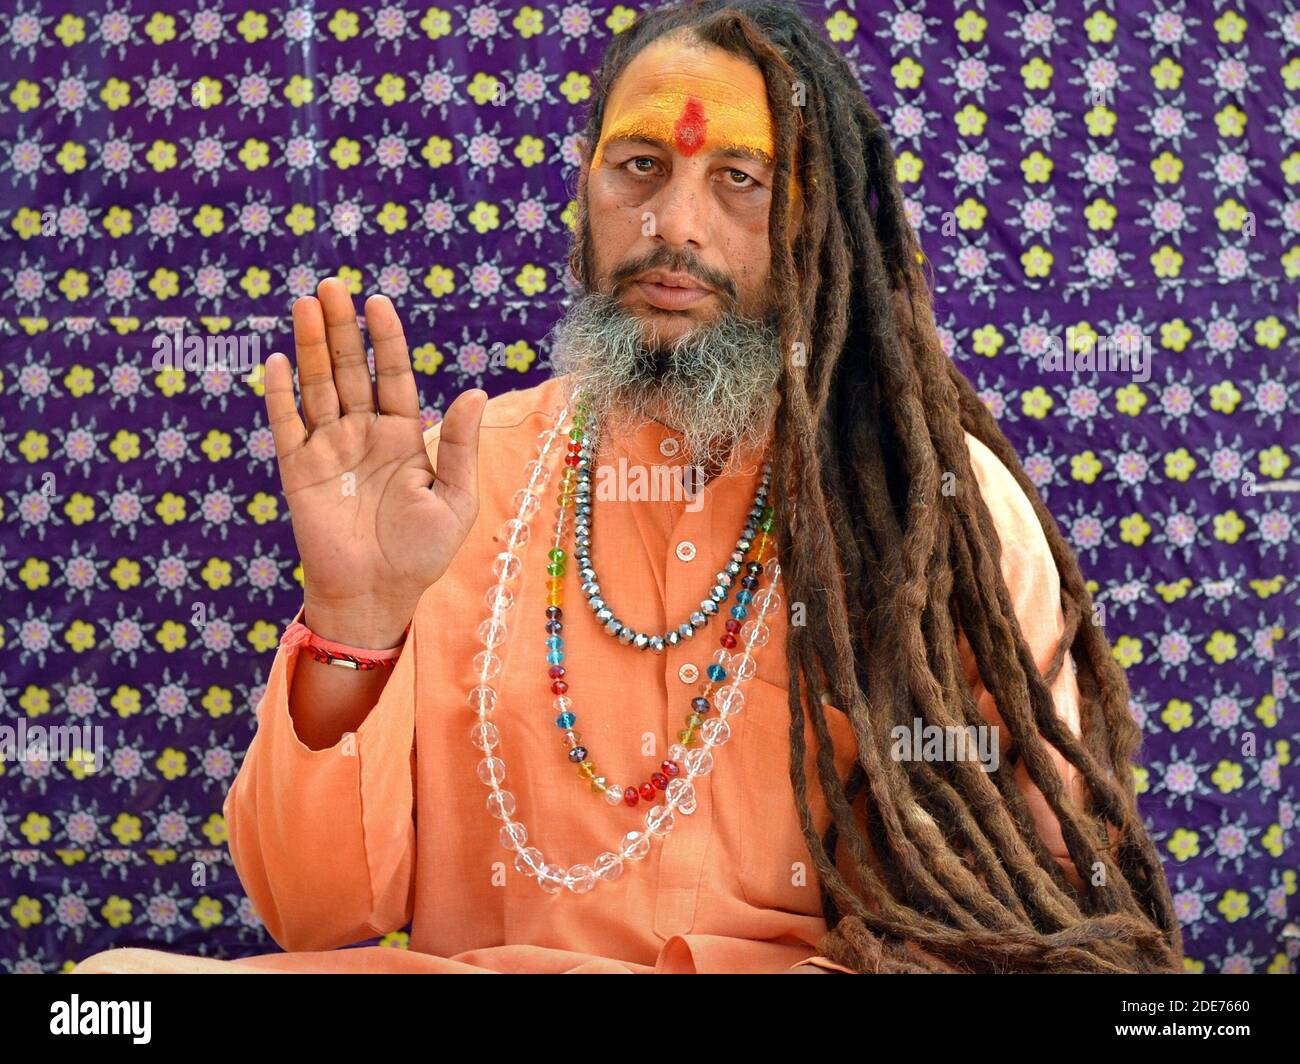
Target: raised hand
<point x="375" y="523"/>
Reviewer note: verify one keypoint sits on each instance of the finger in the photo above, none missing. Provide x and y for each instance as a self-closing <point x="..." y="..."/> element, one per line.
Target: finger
<point x="393" y="376"/>
<point x="320" y="402"/>
<point x="457" y="473"/>
<point x="352" y="378"/>
<point x="281" y="411"/>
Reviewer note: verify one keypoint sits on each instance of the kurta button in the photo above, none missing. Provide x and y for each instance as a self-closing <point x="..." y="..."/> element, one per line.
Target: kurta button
<point x="686" y="550"/>
<point x="688" y="673"/>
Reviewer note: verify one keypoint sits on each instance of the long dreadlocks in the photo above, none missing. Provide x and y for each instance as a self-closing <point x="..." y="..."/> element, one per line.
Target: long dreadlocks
<point x="950" y="872"/>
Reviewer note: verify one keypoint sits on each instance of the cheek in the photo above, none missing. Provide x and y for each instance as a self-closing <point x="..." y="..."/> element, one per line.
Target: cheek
<point x="615" y="225"/>
<point x="750" y="257"/>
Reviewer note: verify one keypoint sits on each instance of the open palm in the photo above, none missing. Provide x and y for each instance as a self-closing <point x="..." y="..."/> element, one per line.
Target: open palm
<point x="373" y="520"/>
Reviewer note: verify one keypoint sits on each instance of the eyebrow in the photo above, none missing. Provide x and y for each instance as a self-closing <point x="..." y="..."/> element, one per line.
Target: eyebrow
<point x="735" y="151"/>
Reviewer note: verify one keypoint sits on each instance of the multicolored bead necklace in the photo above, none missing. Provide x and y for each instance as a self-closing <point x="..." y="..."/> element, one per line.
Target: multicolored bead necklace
<point x="578" y="461"/>
<point x="679" y="793"/>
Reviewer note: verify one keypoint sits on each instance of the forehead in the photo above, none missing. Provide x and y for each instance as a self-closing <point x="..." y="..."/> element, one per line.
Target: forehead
<point x="721" y="96"/>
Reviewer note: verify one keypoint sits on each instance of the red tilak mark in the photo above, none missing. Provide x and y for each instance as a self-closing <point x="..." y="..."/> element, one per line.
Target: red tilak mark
<point x="688" y="133"/>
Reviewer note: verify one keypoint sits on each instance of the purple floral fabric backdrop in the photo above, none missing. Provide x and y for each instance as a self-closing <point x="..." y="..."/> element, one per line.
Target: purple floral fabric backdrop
<point x="1087" y="177"/>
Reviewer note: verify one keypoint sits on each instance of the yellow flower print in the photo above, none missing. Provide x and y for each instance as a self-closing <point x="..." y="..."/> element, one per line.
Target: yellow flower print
<point x="486" y="88"/>
<point x="907" y="73"/>
<point x="1037" y="74"/>
<point x="1231" y="121"/>
<point x="1184" y="844"/>
<point x="1231" y="215"/>
<point x="1272" y="840"/>
<point x="531" y="279"/>
<point x="125" y="574"/>
<point x="1173" y="592"/>
<point x="1101" y="214"/>
<point x="970" y="27"/>
<point x="346" y="153"/>
<point x="1127" y="651"/>
<point x="207" y="92"/>
<point x="256" y="282"/>
<point x="1035" y="403"/>
<point x="1175" y="335"/>
<point x="216" y="444"/>
<point x="1167" y="75"/>
<point x="26" y="223"/>
<point x="437" y="151"/>
<point x="75" y="284"/>
<point x="971" y="120"/>
<point x="1221" y="646"/>
<point x="344" y="25"/>
<point x="171" y="508"/>
<point x="118" y="221"/>
<point x="1193" y="967"/>
<point x="426" y="358"/>
<point x="25" y="95"/>
<point x="484" y="217"/>
<point x="391" y="89"/>
<point x="35" y="701"/>
<point x="575" y="87"/>
<point x="1230" y="27"/>
<point x="34" y="446"/>
<point x="1274" y="462"/>
<point x="1270" y="332"/>
<point x="1036" y="167"/>
<point x="79" y="381"/>
<point x="1100" y="121"/>
<point x="263" y="508"/>
<point x="214" y="828"/>
<point x="70" y="30"/>
<point x="263" y="636"/>
<point x="619" y="19"/>
<point x="440" y="280"/>
<point x="218" y="702"/>
<point x="1037" y="261"/>
<point x="392" y="218"/>
<point x="1134" y="529"/>
<point x="207" y="911"/>
<point x="1224" y="397"/>
<point x="171" y="637"/>
<point x="520" y="355"/>
<point x="161" y="156"/>
<point x="1167" y="168"/>
<point x="1228" y="527"/>
<point x="1100" y="27"/>
<point x="255" y="154"/>
<point x="397" y="939"/>
<point x="116" y="911"/>
<point x="209" y="219"/>
<point x="1177" y="715"/>
<point x="841" y="26"/>
<point x="80" y="508"/>
<point x="1167" y="262"/>
<point x="436" y="23"/>
<point x="350" y="277"/>
<point x="173" y="764"/>
<point x="1234" y="905"/>
<point x="80" y="636"/>
<point x="529" y="22"/>
<point x="217" y="573"/>
<point x="569" y="216"/>
<point x="908" y="167"/>
<point x="300" y="91"/>
<point x="252" y="27"/>
<point x="1267" y="588"/>
<point x="987" y="340"/>
<point x="970" y="214"/>
<point x="1179" y="465"/>
<point x="35" y="574"/>
<point x="125" y="445"/>
<point x="26" y="911"/>
<point x="1085" y="467"/>
<point x="1266" y="711"/>
<point x="126" y="700"/>
<point x="35" y="828"/>
<point x="300" y="219"/>
<point x="116" y="94"/>
<point x="126" y="829"/>
<point x="160" y="28"/>
<point x="530" y="151"/>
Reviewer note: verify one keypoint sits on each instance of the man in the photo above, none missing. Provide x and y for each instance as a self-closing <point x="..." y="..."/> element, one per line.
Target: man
<point x="585" y="730"/>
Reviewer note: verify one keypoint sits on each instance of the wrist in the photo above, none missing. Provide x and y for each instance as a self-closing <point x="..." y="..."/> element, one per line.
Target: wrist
<point x="363" y="624"/>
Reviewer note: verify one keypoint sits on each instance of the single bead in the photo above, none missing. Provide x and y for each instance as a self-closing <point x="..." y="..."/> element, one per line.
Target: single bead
<point x="559" y="687"/>
<point x="648" y="791"/>
<point x="659" y="780"/>
<point x="578" y="754"/>
<point x="631" y="796"/>
<point x="565" y="720"/>
<point x="670" y="768"/>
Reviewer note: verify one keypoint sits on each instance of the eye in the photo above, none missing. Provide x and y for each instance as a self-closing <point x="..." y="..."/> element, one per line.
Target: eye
<point x="642" y="165"/>
<point x="738" y="178"/>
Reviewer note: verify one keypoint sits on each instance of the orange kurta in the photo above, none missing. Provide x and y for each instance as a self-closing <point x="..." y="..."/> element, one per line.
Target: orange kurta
<point x="339" y="845"/>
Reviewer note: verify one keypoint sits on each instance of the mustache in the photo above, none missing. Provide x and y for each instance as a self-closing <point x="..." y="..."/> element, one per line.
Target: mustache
<point x="678" y="261"/>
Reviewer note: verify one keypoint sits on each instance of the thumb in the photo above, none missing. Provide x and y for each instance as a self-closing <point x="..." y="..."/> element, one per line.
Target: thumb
<point x="457" y="474"/>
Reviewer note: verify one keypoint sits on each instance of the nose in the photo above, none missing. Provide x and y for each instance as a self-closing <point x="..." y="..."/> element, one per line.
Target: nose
<point x="679" y="212"/>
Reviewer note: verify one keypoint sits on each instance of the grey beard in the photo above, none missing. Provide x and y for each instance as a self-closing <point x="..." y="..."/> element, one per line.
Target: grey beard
<point x="715" y="386"/>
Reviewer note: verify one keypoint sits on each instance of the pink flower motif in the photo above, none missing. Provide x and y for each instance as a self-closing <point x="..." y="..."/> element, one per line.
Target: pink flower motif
<point x="29" y="284"/>
<point x="26" y="157"/>
<point x="299" y="153"/>
<point x="1177" y="400"/>
<point x="73" y="221"/>
<point x="1232" y="169"/>
<point x="1168" y="27"/>
<point x="439" y="216"/>
<point x="1275" y="527"/>
<point x="390" y="23"/>
<point x="394" y="281"/>
<point x="391" y="151"/>
<point x="1037" y="215"/>
<point x="1231" y="263"/>
<point x="346" y="218"/>
<point x="80" y="445"/>
<point x="1101" y="74"/>
<point x="217" y="507"/>
<point x="1180" y="777"/>
<point x="209" y="154"/>
<point x="1039" y="120"/>
<point x="263" y="573"/>
<point x="119" y="283"/>
<point x="254" y="90"/>
<point x="1132" y="467"/>
<point x="972" y="262"/>
<point x="210" y="281"/>
<point x="907" y="121"/>
<point x="994" y="401"/>
<point x="261" y="444"/>
<point x="972" y="74"/>
<point x="1101" y="168"/>
<point x="115" y="27"/>
<point x="908" y="27"/>
<point x="124" y="380"/>
<point x="71" y="94"/>
<point x="1086" y="532"/>
<point x="436" y="87"/>
<point x="1039" y="27"/>
<point x="299" y="24"/>
<point x="25" y="30"/>
<point x="1270" y="397"/>
<point x="34" y="381"/>
<point x="1225" y="711"/>
<point x="1222" y="335"/>
<point x="162" y="220"/>
<point x="1226" y="464"/>
<point x="485" y="279"/>
<point x="570" y="150"/>
<point x="530" y="215"/>
<point x="575" y="21"/>
<point x="1181" y="530"/>
<point x="1083" y="402"/>
<point x="217" y="636"/>
<point x="206" y="26"/>
<point x="255" y="218"/>
<point x="161" y="92"/>
<point x="1169" y="121"/>
<point x="472" y="358"/>
<point x="530" y="86"/>
<point x="345" y="89"/>
<point x="126" y="507"/>
<point x="972" y="168"/>
<point x="1174" y="648"/>
<point x="483" y="21"/>
<point x="1168" y="215"/>
<point x="484" y="150"/>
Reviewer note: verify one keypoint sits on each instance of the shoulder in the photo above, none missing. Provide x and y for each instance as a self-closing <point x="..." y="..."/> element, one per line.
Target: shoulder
<point x="513" y="409"/>
<point x="1019" y="530"/>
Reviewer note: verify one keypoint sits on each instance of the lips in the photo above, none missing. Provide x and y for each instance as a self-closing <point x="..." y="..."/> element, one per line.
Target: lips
<point x="670" y="291"/>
